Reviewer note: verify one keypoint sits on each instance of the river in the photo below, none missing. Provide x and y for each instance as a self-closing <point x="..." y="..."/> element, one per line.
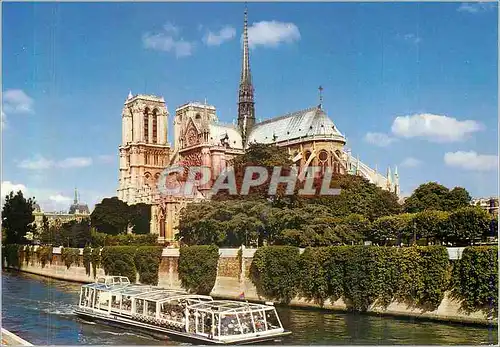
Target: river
<point x="39" y="310"/>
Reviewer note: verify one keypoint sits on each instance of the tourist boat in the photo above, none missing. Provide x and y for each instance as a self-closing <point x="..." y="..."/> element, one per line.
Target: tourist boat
<point x="174" y="313"/>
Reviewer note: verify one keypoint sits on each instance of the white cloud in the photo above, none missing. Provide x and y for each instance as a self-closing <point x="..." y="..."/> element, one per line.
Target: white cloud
<point x="8" y="186"/>
<point x="17" y="101"/>
<point x="41" y="163"/>
<point x="216" y="39"/>
<point x="476" y="7"/>
<point x="37" y="163"/>
<point x="379" y="139"/>
<point x="74" y="162"/>
<point x="471" y="161"/>
<point x="434" y="127"/>
<point x="412" y="38"/>
<point x="410" y="162"/>
<point x="58" y="198"/>
<point x="272" y="33"/>
<point x="168" y="41"/>
<point x="106" y="159"/>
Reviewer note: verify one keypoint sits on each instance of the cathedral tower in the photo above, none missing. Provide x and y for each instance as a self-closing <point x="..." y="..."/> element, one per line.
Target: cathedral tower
<point x="144" y="151"/>
<point x="246" y="104"/>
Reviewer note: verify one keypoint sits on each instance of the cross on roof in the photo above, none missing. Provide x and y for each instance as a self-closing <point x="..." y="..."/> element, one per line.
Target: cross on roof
<point x="320" y="96"/>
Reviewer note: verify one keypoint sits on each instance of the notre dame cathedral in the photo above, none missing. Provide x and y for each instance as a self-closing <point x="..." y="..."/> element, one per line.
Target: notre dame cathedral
<point x="309" y="135"/>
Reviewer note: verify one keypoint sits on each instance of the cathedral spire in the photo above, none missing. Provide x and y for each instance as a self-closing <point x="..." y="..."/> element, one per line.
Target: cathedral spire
<point x="76" y="196"/>
<point x="246" y="104"/>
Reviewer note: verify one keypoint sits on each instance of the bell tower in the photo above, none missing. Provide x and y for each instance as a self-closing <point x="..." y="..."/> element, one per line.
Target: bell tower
<point x="144" y="151"/>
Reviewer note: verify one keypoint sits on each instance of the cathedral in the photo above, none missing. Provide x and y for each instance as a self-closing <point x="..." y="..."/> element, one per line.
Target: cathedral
<point x="309" y="135"/>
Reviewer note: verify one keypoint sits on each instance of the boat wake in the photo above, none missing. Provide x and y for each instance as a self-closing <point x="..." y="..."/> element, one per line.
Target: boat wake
<point x="126" y="333"/>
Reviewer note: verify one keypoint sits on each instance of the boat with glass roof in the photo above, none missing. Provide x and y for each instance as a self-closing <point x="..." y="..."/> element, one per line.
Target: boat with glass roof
<point x="178" y="314"/>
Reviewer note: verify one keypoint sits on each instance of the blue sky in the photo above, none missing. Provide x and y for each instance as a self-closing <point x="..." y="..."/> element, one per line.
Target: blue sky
<point x="412" y="85"/>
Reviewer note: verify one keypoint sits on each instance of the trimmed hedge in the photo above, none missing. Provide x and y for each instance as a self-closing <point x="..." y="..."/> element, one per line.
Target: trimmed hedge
<point x="360" y="275"/>
<point x="119" y="261"/>
<point x="147" y="261"/>
<point x="275" y="272"/>
<point x="101" y="239"/>
<point x="198" y="268"/>
<point x="44" y="254"/>
<point x="475" y="279"/>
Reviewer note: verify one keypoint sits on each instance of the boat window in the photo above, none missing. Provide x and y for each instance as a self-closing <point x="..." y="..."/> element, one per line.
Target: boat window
<point x="172" y="311"/>
<point x="272" y="320"/>
<point x="151" y="308"/>
<point x="126" y="303"/>
<point x="139" y="306"/>
<point x="115" y="303"/>
<point x="260" y="323"/>
<point x="229" y="325"/>
<point x="83" y="295"/>
<point x="246" y="322"/>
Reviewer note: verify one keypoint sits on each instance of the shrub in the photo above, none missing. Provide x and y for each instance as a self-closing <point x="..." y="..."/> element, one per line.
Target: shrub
<point x="475" y="279"/>
<point x="147" y="262"/>
<point x="44" y="255"/>
<point x="275" y="272"/>
<point x="87" y="257"/>
<point x="119" y="261"/>
<point x="198" y="268"/>
<point x="70" y="256"/>
<point x="95" y="258"/>
<point x="11" y="254"/>
<point x="101" y="239"/>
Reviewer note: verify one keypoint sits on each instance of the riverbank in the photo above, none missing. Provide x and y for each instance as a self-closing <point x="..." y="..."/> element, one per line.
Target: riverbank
<point x="10" y="339"/>
<point x="232" y="282"/>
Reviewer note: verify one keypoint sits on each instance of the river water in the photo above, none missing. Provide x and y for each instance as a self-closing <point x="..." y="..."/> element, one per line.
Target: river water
<point x="39" y="310"/>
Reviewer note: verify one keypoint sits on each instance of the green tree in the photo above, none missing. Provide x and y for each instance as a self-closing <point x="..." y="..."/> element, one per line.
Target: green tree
<point x="467" y="224"/>
<point x="431" y="225"/>
<point x="434" y="196"/>
<point x="140" y="218"/>
<point x="76" y="234"/>
<point x="17" y="218"/>
<point x="111" y="216"/>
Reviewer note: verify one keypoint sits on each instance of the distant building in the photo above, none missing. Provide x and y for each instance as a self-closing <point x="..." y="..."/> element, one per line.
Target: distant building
<point x="77" y="211"/>
<point x="490" y="205"/>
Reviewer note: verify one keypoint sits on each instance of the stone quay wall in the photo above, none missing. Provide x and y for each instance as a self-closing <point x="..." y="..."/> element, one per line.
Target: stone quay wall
<point x="232" y="280"/>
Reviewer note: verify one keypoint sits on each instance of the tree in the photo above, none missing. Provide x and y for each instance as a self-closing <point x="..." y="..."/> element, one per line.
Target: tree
<point x="431" y="225"/>
<point x="17" y="218"/>
<point x="111" y="216"/>
<point x="468" y="224"/>
<point x="76" y="233"/>
<point x="434" y="196"/>
<point x="140" y="218"/>
<point x="393" y="228"/>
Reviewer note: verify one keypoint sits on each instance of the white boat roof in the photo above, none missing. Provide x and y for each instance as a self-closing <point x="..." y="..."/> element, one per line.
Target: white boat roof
<point x="227" y="307"/>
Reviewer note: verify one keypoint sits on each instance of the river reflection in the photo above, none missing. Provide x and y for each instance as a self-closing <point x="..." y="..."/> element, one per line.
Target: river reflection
<point x="40" y="310"/>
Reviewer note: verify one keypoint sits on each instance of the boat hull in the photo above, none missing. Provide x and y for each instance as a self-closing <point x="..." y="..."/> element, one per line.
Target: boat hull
<point x="163" y="333"/>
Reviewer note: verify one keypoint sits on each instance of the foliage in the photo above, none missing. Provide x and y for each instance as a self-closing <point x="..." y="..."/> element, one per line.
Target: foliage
<point x="101" y="239"/>
<point x="140" y="218"/>
<point x="11" y="254"/>
<point x="29" y="252"/>
<point x="87" y="258"/>
<point x="434" y="196"/>
<point x="147" y="262"/>
<point x="475" y="279"/>
<point x="44" y="254"/>
<point x="198" y="268"/>
<point x="111" y="216"/>
<point x="95" y="257"/>
<point x="70" y="256"/>
<point x="119" y="261"/>
<point x="467" y="224"/>
<point x="275" y="272"/>
<point x="17" y="218"/>
<point x="393" y="230"/>
<point x="431" y="225"/>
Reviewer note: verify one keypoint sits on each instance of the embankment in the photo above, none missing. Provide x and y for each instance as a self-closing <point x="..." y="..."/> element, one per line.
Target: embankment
<point x="10" y="339"/>
<point x="232" y="281"/>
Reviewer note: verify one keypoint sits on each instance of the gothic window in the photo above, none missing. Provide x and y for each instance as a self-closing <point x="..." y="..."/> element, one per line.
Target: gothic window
<point x="146" y="125"/>
<point x="308" y="154"/>
<point x="155" y="121"/>
<point x="146" y="161"/>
